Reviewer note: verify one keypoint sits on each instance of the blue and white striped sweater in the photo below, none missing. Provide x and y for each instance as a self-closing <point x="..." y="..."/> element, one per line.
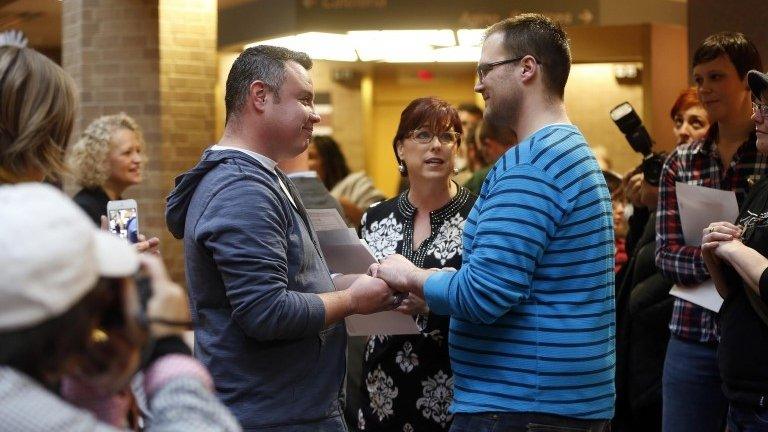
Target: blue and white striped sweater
<point x="532" y="308"/>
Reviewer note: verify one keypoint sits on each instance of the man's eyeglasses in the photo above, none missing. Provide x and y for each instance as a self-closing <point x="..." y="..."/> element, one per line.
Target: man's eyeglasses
<point x="760" y="109"/>
<point x="446" y="138"/>
<point x="484" y="68"/>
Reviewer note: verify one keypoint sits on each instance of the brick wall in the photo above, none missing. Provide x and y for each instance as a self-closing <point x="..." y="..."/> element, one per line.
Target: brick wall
<point x="156" y="61"/>
<point x="188" y="66"/>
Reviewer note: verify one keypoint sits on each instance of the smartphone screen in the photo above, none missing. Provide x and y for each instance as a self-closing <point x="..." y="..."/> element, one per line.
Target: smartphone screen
<point x="124" y="222"/>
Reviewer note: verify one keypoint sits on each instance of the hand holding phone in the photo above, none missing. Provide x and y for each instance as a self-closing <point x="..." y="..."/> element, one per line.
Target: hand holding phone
<point x="123" y="219"/>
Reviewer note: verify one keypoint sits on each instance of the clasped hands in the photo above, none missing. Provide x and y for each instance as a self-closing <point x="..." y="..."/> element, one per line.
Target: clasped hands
<point x="720" y="238"/>
<point x="393" y="284"/>
<point x="721" y="241"/>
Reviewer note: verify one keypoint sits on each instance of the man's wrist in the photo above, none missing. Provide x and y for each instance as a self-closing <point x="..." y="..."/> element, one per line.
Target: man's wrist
<point x="416" y="280"/>
<point x="351" y="302"/>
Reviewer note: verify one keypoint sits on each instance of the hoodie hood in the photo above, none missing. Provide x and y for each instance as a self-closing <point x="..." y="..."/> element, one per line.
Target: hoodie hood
<point x="178" y="201"/>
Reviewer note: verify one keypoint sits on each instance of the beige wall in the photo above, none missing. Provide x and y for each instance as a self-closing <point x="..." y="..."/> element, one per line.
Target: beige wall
<point x="591" y="92"/>
<point x="667" y="76"/>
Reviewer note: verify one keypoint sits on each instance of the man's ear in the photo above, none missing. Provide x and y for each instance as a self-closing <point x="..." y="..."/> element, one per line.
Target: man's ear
<point x="257" y="95"/>
<point x="529" y="68"/>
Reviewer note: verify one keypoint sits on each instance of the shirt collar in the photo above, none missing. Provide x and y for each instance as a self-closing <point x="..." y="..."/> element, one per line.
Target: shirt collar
<point x="302" y="174"/>
<point x="409" y="211"/>
<point x="267" y="162"/>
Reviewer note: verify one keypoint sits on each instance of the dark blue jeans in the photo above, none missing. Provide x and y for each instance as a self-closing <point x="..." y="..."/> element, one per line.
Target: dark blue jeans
<point x="691" y="389"/>
<point x="523" y="422"/>
<point x="747" y="419"/>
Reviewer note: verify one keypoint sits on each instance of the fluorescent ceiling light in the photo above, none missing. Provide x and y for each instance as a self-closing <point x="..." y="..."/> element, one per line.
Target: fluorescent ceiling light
<point x="317" y="45"/>
<point x="457" y="54"/>
<point x="439" y="38"/>
<point x="470" y="37"/>
<point x="400" y="45"/>
<point x="395" y="46"/>
<point x="413" y="55"/>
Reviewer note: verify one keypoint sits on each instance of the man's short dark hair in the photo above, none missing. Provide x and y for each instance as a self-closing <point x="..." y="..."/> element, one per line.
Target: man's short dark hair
<point x="259" y="63"/>
<point x="740" y="50"/>
<point x="544" y="39"/>
<point x="470" y="108"/>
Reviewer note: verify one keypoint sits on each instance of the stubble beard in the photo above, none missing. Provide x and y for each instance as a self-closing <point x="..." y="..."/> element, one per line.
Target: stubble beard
<point x="505" y="118"/>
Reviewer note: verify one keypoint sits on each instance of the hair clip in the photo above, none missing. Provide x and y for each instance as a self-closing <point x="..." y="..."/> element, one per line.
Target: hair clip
<point x="14" y="38"/>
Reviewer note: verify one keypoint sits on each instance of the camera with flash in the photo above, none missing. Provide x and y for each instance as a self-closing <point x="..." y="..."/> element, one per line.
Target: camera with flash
<point x="631" y="126"/>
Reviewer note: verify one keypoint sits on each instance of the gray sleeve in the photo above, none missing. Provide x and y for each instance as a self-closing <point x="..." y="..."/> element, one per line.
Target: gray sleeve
<point x="184" y="404"/>
<point x="246" y="230"/>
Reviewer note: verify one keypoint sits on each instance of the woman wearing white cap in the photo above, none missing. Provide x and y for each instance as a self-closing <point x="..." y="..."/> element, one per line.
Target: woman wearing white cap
<point x="51" y="297"/>
<point x="70" y="305"/>
<point x="736" y="258"/>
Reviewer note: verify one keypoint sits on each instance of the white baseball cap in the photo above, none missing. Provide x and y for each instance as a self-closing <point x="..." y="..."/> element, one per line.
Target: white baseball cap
<point x="51" y="255"/>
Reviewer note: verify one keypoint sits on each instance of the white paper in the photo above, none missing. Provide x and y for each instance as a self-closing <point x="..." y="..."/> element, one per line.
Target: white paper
<point x="348" y="258"/>
<point x="383" y="323"/>
<point x="343" y="251"/>
<point x="326" y="219"/>
<point x="704" y="295"/>
<point x="699" y="206"/>
<point x="347" y="254"/>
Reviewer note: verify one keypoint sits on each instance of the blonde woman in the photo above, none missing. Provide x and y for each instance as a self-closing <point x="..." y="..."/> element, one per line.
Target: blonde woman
<point x="106" y="160"/>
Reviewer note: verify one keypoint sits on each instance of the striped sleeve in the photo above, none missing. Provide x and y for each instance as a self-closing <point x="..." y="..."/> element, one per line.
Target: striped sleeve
<point x="509" y="234"/>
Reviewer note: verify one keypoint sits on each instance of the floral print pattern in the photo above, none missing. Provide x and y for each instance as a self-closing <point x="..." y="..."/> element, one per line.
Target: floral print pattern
<point x="360" y="420"/>
<point x="407" y="380"/>
<point x="448" y="244"/>
<point x="383" y="236"/>
<point x="383" y="391"/>
<point x="407" y="359"/>
<point x="438" y="394"/>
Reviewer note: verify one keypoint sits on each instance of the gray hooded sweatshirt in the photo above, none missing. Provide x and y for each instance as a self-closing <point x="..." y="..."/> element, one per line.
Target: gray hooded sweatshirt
<point x="254" y="270"/>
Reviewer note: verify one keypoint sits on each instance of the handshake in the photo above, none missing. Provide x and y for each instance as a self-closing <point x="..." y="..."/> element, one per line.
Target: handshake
<point x="393" y="284"/>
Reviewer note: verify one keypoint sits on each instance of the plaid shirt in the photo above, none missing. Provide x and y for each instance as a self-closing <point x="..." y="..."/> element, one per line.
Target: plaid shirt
<point x="699" y="164"/>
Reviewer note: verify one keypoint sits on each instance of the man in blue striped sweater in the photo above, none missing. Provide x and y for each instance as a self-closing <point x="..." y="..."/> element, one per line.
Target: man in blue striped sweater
<point x="532" y="308"/>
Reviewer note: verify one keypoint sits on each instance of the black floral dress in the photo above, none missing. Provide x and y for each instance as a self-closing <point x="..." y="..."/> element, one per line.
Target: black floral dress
<point x="407" y="383"/>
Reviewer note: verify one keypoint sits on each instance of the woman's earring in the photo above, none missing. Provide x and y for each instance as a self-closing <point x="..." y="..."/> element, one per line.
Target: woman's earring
<point x="455" y="170"/>
<point x="401" y="167"/>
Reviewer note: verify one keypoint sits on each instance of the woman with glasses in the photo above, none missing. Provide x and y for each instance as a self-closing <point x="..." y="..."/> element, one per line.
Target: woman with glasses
<point x="407" y="383"/>
<point x="735" y="256"/>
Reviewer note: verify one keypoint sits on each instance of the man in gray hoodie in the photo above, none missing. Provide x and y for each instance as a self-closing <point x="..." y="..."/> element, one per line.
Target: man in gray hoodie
<point x="268" y="316"/>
